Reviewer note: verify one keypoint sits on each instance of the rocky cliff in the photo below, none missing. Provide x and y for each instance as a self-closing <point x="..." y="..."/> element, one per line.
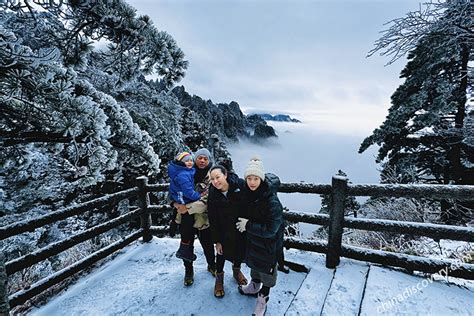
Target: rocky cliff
<point x="225" y="120"/>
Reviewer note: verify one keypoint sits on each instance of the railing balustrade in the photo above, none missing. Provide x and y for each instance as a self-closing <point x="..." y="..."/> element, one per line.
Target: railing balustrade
<point x="333" y="248"/>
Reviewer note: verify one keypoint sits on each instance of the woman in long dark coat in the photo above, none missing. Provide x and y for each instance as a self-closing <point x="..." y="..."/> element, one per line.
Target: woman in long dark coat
<point x="264" y="227"/>
<point x="223" y="209"/>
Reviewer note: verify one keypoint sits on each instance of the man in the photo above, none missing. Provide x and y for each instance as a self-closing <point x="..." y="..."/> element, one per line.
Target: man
<point x="202" y="164"/>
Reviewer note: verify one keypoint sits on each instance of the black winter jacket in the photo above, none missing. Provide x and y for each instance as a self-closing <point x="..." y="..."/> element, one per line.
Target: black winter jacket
<point x="265" y="226"/>
<point x="223" y="213"/>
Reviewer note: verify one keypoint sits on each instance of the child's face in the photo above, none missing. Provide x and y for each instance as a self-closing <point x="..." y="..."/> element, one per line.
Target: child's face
<point x="189" y="163"/>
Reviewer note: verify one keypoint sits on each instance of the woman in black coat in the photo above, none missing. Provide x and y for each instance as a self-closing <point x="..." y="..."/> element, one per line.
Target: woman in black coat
<point x="264" y="227"/>
<point x="223" y="210"/>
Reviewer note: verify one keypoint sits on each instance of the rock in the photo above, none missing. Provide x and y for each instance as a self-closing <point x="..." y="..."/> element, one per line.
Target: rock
<point x="225" y="120"/>
<point x="278" y="118"/>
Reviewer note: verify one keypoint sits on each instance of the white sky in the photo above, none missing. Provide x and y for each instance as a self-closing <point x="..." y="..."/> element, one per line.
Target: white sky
<point x="303" y="58"/>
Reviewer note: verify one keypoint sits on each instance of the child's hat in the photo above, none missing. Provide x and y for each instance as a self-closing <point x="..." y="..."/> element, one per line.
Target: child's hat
<point x="184" y="156"/>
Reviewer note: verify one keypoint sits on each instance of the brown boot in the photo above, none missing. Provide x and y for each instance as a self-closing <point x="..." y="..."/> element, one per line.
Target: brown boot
<point x="239" y="276"/>
<point x="219" y="286"/>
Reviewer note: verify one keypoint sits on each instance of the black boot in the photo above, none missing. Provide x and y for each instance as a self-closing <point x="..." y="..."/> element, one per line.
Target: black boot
<point x="212" y="269"/>
<point x="185" y="252"/>
<point x="283" y="268"/>
<point x="188" y="274"/>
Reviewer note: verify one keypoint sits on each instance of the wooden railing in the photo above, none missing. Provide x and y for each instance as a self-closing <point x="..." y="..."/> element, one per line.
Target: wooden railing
<point x="333" y="248"/>
<point x="142" y="210"/>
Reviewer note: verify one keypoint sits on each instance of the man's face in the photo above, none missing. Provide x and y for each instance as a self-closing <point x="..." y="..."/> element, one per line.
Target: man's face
<point x="202" y="162"/>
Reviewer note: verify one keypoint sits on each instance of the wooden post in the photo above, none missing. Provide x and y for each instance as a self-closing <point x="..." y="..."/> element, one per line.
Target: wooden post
<point x="143" y="203"/>
<point x="4" y="306"/>
<point x="336" y="216"/>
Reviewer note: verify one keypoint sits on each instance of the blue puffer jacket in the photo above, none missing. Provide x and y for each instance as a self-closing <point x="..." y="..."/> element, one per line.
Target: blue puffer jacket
<point x="182" y="183"/>
<point x="265" y="225"/>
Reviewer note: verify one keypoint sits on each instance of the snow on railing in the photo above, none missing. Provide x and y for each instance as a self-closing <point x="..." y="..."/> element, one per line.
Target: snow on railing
<point x="339" y="189"/>
<point x="336" y="221"/>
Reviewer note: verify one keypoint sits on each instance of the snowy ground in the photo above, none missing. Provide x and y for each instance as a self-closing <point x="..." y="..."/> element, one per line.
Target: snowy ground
<point x="146" y="279"/>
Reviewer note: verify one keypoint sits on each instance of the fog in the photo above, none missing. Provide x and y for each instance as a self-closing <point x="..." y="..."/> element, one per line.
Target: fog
<point x="303" y="153"/>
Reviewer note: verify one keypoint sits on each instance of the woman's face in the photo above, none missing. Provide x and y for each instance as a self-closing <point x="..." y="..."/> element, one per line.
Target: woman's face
<point x="253" y="182"/>
<point x="219" y="180"/>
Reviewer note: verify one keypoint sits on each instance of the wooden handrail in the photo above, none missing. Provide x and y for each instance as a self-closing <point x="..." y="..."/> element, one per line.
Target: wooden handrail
<point x="317" y="219"/>
<point x="43" y="284"/>
<point x="435" y="231"/>
<point x="30" y="225"/>
<point x="334" y="249"/>
<point x="305" y="188"/>
<point x="409" y="262"/>
<point x="57" y="247"/>
<point x="431" y="191"/>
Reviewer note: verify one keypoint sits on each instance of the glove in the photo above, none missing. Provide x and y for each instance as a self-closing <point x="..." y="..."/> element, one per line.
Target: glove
<point x="241" y="223"/>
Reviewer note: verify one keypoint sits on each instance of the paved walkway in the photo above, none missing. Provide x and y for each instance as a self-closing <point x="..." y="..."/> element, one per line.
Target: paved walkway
<point x="146" y="279"/>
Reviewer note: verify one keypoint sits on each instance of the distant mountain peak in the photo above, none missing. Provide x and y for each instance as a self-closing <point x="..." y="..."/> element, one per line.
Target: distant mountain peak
<point x="277" y="117"/>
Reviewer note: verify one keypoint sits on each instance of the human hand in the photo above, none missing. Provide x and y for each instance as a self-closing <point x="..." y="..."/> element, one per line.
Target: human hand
<point x="180" y="208"/>
<point x="241" y="223"/>
<point x="219" y="249"/>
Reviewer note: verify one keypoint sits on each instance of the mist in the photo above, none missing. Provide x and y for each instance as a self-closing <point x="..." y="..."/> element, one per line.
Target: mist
<point x="304" y="153"/>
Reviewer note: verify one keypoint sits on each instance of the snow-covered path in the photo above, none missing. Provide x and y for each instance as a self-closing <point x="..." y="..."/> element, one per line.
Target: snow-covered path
<point x="146" y="279"/>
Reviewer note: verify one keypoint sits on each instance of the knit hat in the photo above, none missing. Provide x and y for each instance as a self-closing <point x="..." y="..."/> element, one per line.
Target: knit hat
<point x="255" y="168"/>
<point x="202" y="152"/>
<point x="184" y="156"/>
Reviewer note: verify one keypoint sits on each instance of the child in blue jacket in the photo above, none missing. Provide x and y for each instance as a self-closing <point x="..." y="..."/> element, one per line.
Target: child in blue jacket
<point x="181" y="190"/>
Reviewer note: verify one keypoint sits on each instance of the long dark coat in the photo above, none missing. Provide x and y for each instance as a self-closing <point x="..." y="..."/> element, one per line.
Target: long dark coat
<point x="265" y="226"/>
<point x="223" y="212"/>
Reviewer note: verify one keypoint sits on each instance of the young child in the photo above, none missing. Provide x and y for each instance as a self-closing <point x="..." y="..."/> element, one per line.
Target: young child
<point x="181" y="190"/>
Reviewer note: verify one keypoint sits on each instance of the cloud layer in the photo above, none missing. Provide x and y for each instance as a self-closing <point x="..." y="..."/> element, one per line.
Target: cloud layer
<point x="303" y="57"/>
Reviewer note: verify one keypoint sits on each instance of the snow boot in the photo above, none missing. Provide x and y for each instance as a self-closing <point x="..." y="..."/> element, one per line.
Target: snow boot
<point x="250" y="289"/>
<point x="261" y="306"/>
<point x="283" y="268"/>
<point x="239" y="276"/>
<point x="219" y="286"/>
<point x="212" y="269"/>
<point x="188" y="275"/>
<point x="185" y="252"/>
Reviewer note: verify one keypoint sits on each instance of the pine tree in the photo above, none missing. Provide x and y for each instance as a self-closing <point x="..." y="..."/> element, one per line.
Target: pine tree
<point x="425" y="125"/>
<point x="351" y="206"/>
<point x="60" y="105"/>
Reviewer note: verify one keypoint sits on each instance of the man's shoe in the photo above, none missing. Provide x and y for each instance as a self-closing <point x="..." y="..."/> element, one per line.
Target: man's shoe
<point x="219" y="286"/>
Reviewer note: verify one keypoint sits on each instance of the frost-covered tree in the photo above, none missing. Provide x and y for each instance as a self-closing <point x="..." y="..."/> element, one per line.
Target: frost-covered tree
<point x="62" y="126"/>
<point x="425" y="126"/>
<point x="351" y="206"/>
<point x="190" y="128"/>
<point x="157" y="112"/>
